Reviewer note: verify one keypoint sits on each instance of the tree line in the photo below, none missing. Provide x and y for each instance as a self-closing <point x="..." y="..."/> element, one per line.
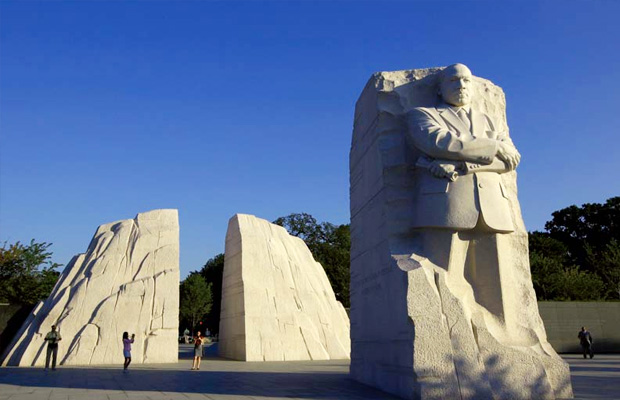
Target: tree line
<point x="27" y="272"/>
<point x="576" y="257"/>
<point x="328" y="243"/>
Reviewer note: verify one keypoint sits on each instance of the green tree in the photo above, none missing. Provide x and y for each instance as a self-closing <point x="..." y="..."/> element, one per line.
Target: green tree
<point x="573" y="284"/>
<point x="302" y="225"/>
<point x="606" y="263"/>
<point x="212" y="272"/>
<point x="553" y="276"/>
<point x="27" y="273"/>
<point x="196" y="299"/>
<point x="578" y="258"/>
<point x="330" y="246"/>
<point x="334" y="254"/>
<point x="586" y="230"/>
<point x="547" y="258"/>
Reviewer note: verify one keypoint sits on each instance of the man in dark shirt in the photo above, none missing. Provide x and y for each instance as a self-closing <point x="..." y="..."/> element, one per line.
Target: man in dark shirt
<point x="52" y="339"/>
<point x="585" y="339"/>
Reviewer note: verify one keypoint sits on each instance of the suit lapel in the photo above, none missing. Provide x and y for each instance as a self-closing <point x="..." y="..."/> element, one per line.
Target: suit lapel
<point x="451" y="118"/>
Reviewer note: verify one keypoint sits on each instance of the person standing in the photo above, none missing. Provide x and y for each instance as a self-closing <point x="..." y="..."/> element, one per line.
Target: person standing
<point x="198" y="346"/>
<point x="585" y="339"/>
<point x="127" y="348"/>
<point x="52" y="339"/>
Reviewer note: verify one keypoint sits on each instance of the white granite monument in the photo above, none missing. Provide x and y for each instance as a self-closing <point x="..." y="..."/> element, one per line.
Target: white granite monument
<point x="442" y="302"/>
<point x="277" y="303"/>
<point x="128" y="280"/>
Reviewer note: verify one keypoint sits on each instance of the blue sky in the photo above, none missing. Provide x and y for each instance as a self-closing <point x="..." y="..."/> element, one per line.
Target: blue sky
<point x="111" y="108"/>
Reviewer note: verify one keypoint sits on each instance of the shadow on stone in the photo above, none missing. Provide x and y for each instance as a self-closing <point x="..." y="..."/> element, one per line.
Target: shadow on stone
<point x="494" y="382"/>
<point x="11" y="319"/>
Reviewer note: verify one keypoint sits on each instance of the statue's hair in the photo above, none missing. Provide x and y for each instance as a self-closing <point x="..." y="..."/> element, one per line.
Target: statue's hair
<point x="442" y="73"/>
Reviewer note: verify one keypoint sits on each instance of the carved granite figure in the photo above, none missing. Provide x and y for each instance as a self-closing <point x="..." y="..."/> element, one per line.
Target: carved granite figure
<point x="437" y="238"/>
<point x="462" y="214"/>
<point x="456" y="137"/>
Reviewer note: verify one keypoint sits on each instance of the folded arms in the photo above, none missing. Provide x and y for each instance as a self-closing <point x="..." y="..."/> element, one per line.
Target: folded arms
<point x="449" y="153"/>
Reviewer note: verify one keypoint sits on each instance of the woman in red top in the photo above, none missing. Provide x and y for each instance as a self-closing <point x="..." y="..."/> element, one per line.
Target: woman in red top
<point x="198" y="343"/>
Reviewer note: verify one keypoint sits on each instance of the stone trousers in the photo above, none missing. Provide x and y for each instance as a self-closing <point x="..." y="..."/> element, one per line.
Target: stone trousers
<point x="473" y="259"/>
<point x="53" y="352"/>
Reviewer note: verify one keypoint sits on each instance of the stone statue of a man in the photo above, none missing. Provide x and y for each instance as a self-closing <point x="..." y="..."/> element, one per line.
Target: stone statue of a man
<point x="455" y="136"/>
<point x="461" y="201"/>
<point x="442" y="301"/>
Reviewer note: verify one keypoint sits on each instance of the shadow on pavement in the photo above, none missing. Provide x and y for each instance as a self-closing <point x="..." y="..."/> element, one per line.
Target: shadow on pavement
<point x="210" y="380"/>
<point x="269" y="384"/>
<point x="598" y="379"/>
<point x="575" y="368"/>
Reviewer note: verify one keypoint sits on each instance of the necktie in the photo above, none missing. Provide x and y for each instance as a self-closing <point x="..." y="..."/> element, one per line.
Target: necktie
<point x="465" y="118"/>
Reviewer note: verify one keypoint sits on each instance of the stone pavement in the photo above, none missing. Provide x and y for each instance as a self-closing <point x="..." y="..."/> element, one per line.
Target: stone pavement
<point x="220" y="379"/>
<point x="598" y="378"/>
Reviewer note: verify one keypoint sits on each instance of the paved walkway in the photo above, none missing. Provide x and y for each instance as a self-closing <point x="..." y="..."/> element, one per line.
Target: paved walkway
<point x="221" y="379"/>
<point x="598" y="378"/>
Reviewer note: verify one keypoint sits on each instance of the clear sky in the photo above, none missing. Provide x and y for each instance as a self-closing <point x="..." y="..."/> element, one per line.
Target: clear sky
<point x="112" y="108"/>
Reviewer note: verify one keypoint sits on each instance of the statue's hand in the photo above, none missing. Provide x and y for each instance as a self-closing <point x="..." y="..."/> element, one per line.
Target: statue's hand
<point x="442" y="170"/>
<point x="509" y="155"/>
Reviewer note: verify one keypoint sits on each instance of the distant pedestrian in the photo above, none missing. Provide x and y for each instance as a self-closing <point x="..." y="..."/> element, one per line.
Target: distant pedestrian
<point x="127" y="348"/>
<point x="198" y="345"/>
<point x="52" y="339"/>
<point x="585" y="339"/>
<point x="186" y="336"/>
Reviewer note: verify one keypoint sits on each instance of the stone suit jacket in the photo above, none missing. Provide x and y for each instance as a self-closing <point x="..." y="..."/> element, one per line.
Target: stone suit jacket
<point x="439" y="133"/>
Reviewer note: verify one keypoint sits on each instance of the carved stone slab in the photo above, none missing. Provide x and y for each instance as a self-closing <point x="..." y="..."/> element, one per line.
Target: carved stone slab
<point x="415" y="331"/>
<point x="277" y="303"/>
<point x="128" y="280"/>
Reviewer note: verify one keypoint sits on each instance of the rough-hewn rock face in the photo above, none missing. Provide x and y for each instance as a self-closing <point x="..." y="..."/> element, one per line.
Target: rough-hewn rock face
<point x="277" y="303"/>
<point x="128" y="280"/>
<point x="419" y="330"/>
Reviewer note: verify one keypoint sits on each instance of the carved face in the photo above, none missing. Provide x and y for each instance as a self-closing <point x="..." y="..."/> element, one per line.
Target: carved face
<point x="456" y="85"/>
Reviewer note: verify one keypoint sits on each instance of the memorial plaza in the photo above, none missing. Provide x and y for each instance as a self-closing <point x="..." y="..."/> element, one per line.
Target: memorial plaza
<point x="220" y="379"/>
<point x="438" y="137"/>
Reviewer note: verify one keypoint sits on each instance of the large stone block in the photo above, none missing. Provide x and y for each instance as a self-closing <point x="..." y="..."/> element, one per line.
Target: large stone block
<point x="128" y="280"/>
<point x="277" y="303"/>
<point x="442" y="307"/>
